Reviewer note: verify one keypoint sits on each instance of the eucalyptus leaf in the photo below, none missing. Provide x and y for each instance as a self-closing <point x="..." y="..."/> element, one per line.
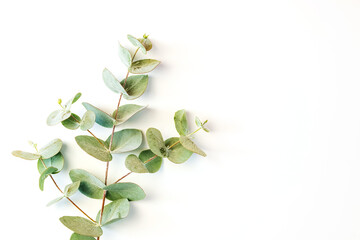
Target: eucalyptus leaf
<point x="88" y="120"/>
<point x="127" y="190"/>
<point x="90" y="185"/>
<point x="82" y="226"/>
<point x="134" y="164"/>
<point x="177" y="154"/>
<point x="198" y="122"/>
<point x="51" y="148"/>
<point x="71" y="188"/>
<point x="57" y="117"/>
<point x="191" y="146"/>
<point x="77" y="96"/>
<point x="146" y="43"/>
<point x="181" y="122"/>
<point x="156" y="142"/>
<point x="112" y="83"/>
<point x="143" y="66"/>
<point x="25" y="155"/>
<point x="153" y="165"/>
<point x="44" y="175"/>
<point x="72" y="123"/>
<point x="114" y="211"/>
<point x="126" y="111"/>
<point x="125" y="140"/>
<point x="93" y="147"/>
<point x="71" y="101"/>
<point x="52" y="202"/>
<point x="76" y="236"/>
<point x="102" y="118"/>
<point x="135" y="86"/>
<point x="56" y="161"/>
<point x="125" y="56"/>
<point x="136" y="43"/>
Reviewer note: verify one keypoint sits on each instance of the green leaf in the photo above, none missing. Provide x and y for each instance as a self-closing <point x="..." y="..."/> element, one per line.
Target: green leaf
<point x="71" y="188"/>
<point x="44" y="175"/>
<point x="51" y="149"/>
<point x="76" y="236"/>
<point x="134" y="164"/>
<point x="112" y="83"/>
<point x="125" y="56"/>
<point x="90" y="185"/>
<point x="94" y="148"/>
<point x="56" y="161"/>
<point x="58" y="199"/>
<point x="127" y="190"/>
<point x="25" y="155"/>
<point x="127" y="111"/>
<point x="177" y="153"/>
<point x="77" y="96"/>
<point x="191" y="146"/>
<point x="88" y="120"/>
<point x="135" y="86"/>
<point x="181" y="122"/>
<point x="136" y="43"/>
<point x="153" y="165"/>
<point x="156" y="142"/>
<point x="102" y="118"/>
<point x="198" y="122"/>
<point x="82" y="226"/>
<point x="125" y="140"/>
<point x="146" y="43"/>
<point x="143" y="66"/>
<point x="114" y="211"/>
<point x="57" y="117"/>
<point x="72" y="123"/>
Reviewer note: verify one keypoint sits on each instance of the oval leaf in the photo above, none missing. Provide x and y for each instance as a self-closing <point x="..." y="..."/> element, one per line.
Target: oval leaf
<point x="156" y="142"/>
<point x="82" y="226"/>
<point x="51" y="148"/>
<point x="143" y="66"/>
<point x="191" y="146"/>
<point x="114" y="211"/>
<point x="90" y="185"/>
<point x="77" y="96"/>
<point x="88" y="120"/>
<point x="134" y="164"/>
<point x="152" y="165"/>
<point x="44" y="175"/>
<point x="93" y="147"/>
<point x="126" y="111"/>
<point x="56" y="161"/>
<point x="76" y="236"/>
<point x="112" y="83"/>
<point x="102" y="118"/>
<point x="181" y="122"/>
<point x="135" y="86"/>
<point x="71" y="188"/>
<point x="136" y="43"/>
<point x="177" y="153"/>
<point x="25" y="155"/>
<point x="125" y="56"/>
<point x="125" y="140"/>
<point x="72" y="123"/>
<point x="57" y="117"/>
<point x="127" y="190"/>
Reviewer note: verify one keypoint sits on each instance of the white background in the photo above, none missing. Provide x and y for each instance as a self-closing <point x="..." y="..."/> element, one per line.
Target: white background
<point x="278" y="81"/>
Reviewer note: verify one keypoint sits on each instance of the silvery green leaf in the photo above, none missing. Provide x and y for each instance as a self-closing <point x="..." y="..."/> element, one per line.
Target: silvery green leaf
<point x="114" y="211"/>
<point x="177" y="153"/>
<point x="191" y="146"/>
<point x="125" y="140"/>
<point x="77" y="96"/>
<point x="92" y="147"/>
<point x="156" y="142"/>
<point x="76" y="236"/>
<point x="88" y="120"/>
<point x="58" y="199"/>
<point x="102" y="118"/>
<point x="51" y="149"/>
<point x="71" y="188"/>
<point x="125" y="56"/>
<point x="134" y="164"/>
<point x="126" y="111"/>
<point x="90" y="185"/>
<point x="112" y="83"/>
<point x="136" y="43"/>
<point x="44" y="175"/>
<point x="82" y="226"/>
<point x="198" y="122"/>
<point x="153" y="165"/>
<point x="135" y="86"/>
<point x="57" y="117"/>
<point x="143" y="66"/>
<point x="56" y="161"/>
<point x="72" y="123"/>
<point x="25" y="155"/>
<point x="181" y="122"/>
<point x="127" y="190"/>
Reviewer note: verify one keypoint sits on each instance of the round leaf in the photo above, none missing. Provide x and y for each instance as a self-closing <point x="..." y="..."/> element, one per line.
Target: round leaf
<point x="181" y="122"/>
<point x="125" y="56"/>
<point x="114" y="211"/>
<point x="126" y="111"/>
<point x="136" y="43"/>
<point x="156" y="142"/>
<point x="71" y="188"/>
<point x="135" y="86"/>
<point x="134" y="164"/>
<point x="112" y="83"/>
<point x="72" y="123"/>
<point x="153" y="165"/>
<point x="92" y="147"/>
<point x="57" y="117"/>
<point x="143" y="66"/>
<point x="82" y="226"/>
<point x="51" y="148"/>
<point x="191" y="146"/>
<point x="102" y="118"/>
<point x="88" y="120"/>
<point x="76" y="236"/>
<point x="44" y="175"/>
<point x="125" y="140"/>
<point x="25" y="155"/>
<point x="177" y="153"/>
<point x="90" y="185"/>
<point x="56" y="161"/>
<point x="127" y="190"/>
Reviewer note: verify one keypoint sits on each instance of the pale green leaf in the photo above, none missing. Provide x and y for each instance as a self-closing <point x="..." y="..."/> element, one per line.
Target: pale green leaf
<point x="127" y="190"/>
<point x="127" y="111"/>
<point x="177" y="153"/>
<point x="82" y="226"/>
<point x="77" y="96"/>
<point x="57" y="117"/>
<point x="112" y="83"/>
<point x="102" y="118"/>
<point x="25" y="155"/>
<point x="198" y="122"/>
<point x="125" y="56"/>
<point x="58" y="199"/>
<point x="134" y="164"/>
<point x="191" y="146"/>
<point x="76" y="236"/>
<point x="44" y="175"/>
<point x="90" y="185"/>
<point x="135" y="86"/>
<point x="88" y="120"/>
<point x="154" y="164"/>
<point x="146" y="43"/>
<point x="125" y="140"/>
<point x="136" y="43"/>
<point x="156" y="142"/>
<point x="56" y="161"/>
<point x="181" y="122"/>
<point x="93" y="147"/>
<point x="51" y="149"/>
<point x="72" y="123"/>
<point x="143" y="66"/>
<point x="71" y="188"/>
<point x="114" y="211"/>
